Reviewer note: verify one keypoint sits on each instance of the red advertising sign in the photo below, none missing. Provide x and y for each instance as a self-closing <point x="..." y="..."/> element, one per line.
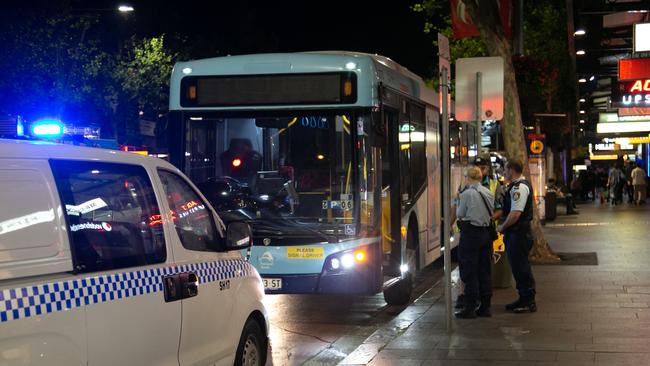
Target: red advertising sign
<point x="462" y="24"/>
<point x="636" y="68"/>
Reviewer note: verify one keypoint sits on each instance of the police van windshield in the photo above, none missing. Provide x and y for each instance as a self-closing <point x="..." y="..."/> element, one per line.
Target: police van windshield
<point x="296" y="168"/>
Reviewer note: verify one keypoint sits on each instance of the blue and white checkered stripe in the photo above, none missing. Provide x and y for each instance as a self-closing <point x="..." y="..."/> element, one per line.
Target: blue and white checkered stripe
<point x="24" y="302"/>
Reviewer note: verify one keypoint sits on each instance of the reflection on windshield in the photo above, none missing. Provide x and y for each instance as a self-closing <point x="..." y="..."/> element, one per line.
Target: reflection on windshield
<point x="297" y="167"/>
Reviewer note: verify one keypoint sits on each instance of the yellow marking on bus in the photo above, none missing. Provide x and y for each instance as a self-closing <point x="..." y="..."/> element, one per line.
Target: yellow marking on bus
<point x="291" y="123"/>
<point x="305" y="253"/>
<point x="345" y="119"/>
<point x="347" y="180"/>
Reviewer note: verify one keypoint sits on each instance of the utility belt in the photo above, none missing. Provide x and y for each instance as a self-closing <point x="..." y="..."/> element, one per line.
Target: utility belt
<point x="467" y="225"/>
<point x="520" y="227"/>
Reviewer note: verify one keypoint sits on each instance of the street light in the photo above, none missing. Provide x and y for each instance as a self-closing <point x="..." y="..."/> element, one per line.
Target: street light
<point x="580" y="52"/>
<point x="582" y="100"/>
<point x="125" y="8"/>
<point x="582" y="80"/>
<point x="579" y="32"/>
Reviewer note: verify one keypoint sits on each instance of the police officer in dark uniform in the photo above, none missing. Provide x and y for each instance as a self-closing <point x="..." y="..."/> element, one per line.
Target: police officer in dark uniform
<point x="518" y="212"/>
<point x="474" y="209"/>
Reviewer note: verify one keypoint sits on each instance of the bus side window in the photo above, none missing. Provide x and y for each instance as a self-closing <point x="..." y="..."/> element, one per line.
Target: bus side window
<point x="418" y="149"/>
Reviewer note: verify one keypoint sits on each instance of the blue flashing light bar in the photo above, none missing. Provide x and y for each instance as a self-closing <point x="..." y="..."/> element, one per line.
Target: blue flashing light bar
<point x="47" y="128"/>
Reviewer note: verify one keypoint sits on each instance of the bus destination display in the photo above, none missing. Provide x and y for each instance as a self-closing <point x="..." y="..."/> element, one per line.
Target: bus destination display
<point x="280" y="89"/>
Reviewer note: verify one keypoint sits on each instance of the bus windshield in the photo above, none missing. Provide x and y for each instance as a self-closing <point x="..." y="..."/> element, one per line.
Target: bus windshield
<point x="289" y="175"/>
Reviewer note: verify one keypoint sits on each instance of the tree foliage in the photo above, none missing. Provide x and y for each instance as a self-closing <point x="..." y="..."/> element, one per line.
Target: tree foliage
<point x="143" y="72"/>
<point x="60" y="66"/>
<point x="45" y="63"/>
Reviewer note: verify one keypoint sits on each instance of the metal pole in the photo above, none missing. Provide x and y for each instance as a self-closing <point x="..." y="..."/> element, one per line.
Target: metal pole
<point x="479" y="90"/>
<point x="446" y="198"/>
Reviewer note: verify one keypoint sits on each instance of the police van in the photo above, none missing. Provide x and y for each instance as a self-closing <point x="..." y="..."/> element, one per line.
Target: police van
<point x="111" y="258"/>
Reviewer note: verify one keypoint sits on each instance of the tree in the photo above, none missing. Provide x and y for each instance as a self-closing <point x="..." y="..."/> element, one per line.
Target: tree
<point x="144" y="71"/>
<point x="44" y="62"/>
<point x="485" y="15"/>
<point x="142" y="74"/>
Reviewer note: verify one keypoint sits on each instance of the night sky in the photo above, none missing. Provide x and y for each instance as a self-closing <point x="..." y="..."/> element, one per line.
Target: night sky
<point x="217" y="28"/>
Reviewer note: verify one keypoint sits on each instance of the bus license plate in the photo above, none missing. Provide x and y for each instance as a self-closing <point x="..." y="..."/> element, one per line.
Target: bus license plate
<point x="272" y="283"/>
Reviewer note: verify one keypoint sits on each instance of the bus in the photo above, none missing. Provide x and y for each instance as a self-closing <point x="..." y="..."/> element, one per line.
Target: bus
<point x="333" y="158"/>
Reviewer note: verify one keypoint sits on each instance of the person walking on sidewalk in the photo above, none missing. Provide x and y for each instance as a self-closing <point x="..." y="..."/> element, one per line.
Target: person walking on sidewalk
<point x="518" y="210"/>
<point x="639" y="181"/>
<point x="474" y="212"/>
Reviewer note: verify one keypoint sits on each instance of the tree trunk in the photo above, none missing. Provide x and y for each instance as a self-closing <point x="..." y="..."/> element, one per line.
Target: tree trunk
<point x="485" y="15"/>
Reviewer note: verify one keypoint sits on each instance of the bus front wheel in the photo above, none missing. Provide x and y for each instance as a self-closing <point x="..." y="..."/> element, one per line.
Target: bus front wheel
<point x="400" y="292"/>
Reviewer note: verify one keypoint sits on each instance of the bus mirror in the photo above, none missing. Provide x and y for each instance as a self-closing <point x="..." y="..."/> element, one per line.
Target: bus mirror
<point x="238" y="236"/>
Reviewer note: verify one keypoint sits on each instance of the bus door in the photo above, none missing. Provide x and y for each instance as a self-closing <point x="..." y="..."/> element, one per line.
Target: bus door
<point x="201" y="149"/>
<point x="391" y="197"/>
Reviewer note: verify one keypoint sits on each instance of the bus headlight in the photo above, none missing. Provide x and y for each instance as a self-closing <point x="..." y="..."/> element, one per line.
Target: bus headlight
<point x="347" y="260"/>
<point x="335" y="263"/>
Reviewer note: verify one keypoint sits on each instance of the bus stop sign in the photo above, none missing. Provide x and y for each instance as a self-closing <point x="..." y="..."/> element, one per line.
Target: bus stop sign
<point x="489" y="93"/>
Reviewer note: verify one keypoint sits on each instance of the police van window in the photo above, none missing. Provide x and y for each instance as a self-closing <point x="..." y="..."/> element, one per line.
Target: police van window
<point x="191" y="217"/>
<point x="112" y="215"/>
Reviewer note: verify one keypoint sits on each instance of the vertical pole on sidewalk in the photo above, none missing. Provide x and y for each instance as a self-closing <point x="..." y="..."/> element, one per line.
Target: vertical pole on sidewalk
<point x="446" y="197"/>
<point x="479" y="77"/>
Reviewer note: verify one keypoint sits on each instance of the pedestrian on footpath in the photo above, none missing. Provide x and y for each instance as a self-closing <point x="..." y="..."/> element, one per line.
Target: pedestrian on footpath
<point x="518" y="210"/>
<point x="639" y="181"/>
<point x="474" y="212"/>
<point x="628" y="167"/>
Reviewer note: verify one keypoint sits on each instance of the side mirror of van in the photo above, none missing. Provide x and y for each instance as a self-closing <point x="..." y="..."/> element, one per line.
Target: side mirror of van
<point x="238" y="236"/>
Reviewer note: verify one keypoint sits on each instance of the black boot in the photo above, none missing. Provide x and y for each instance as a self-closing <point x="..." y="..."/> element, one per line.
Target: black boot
<point x="526" y="305"/>
<point x="513" y="305"/>
<point x="468" y="311"/>
<point x="460" y="301"/>
<point x="484" y="309"/>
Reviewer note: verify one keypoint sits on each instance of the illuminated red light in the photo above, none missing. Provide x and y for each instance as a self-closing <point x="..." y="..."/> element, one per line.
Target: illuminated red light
<point x="630" y="69"/>
<point x="236" y="163"/>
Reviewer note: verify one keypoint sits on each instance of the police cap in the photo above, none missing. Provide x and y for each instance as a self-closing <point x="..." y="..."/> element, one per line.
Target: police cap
<point x="482" y="161"/>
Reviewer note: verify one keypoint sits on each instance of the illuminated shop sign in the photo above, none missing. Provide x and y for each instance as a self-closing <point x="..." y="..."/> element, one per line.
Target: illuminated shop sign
<point x="613" y="117"/>
<point x="623" y="127"/>
<point x="634" y="69"/>
<point x="628" y="140"/>
<point x="612" y="147"/>
<point x="633" y="93"/>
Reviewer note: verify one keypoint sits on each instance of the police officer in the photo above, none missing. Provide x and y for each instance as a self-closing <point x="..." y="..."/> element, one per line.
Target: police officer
<point x="518" y="212"/>
<point x="487" y="181"/>
<point x="492" y="184"/>
<point x="474" y="210"/>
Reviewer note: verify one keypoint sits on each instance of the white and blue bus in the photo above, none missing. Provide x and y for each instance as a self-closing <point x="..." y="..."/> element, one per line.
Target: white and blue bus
<point x="332" y="157"/>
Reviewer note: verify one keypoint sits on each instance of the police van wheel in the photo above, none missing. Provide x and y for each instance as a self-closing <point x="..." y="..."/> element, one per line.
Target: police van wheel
<point x="250" y="351"/>
<point x="400" y="292"/>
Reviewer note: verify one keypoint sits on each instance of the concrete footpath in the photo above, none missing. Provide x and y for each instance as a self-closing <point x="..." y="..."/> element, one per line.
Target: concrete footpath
<point x="587" y="314"/>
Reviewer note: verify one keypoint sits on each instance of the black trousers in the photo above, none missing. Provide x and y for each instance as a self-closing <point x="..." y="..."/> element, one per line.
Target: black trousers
<point x="474" y="256"/>
<point x="518" y="245"/>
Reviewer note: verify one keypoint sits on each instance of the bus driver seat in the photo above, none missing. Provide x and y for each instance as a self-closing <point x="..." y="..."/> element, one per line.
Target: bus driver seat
<point x="240" y="161"/>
